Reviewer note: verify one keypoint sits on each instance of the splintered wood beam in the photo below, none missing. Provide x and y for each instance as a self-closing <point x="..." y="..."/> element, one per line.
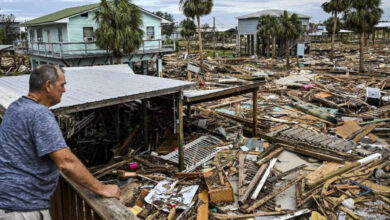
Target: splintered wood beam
<point x="288" y="172"/>
<point x="365" y="131"/>
<point x="273" y="194"/>
<point x="203" y="209"/>
<point x="127" y="141"/>
<point x="241" y="173"/>
<point x="180" y="135"/>
<point x="263" y="179"/>
<point x="246" y="216"/>
<point x="255" y="113"/>
<point x="270" y="156"/>
<point x="253" y="183"/>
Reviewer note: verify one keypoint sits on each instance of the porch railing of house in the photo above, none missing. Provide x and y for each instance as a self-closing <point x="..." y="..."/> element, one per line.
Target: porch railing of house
<point x="85" y="49"/>
<point x="71" y="201"/>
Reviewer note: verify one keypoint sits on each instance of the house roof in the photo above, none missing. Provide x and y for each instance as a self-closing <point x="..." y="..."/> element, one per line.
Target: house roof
<point x="88" y="87"/>
<point x="67" y="12"/>
<point x="6" y="47"/>
<point x="383" y="25"/>
<point x="272" y="12"/>
<point x="74" y="11"/>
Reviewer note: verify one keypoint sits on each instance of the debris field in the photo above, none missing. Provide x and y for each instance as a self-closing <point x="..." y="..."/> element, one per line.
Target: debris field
<point x="321" y="148"/>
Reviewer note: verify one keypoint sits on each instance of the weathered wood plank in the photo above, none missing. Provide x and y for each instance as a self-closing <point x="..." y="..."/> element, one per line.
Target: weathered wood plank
<point x="106" y="208"/>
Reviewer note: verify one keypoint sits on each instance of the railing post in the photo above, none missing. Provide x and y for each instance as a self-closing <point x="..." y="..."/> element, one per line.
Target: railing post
<point x="159" y="45"/>
<point x="143" y="47"/>
<point x="38" y="48"/>
<point x="174" y="45"/>
<point x="45" y="49"/>
<point x="61" y="50"/>
<point x="85" y="46"/>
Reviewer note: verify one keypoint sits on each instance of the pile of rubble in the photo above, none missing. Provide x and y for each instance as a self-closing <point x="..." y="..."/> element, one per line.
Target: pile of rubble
<point x="14" y="64"/>
<point x="322" y="148"/>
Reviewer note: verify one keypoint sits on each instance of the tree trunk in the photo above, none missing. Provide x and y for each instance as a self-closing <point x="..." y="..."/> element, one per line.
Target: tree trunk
<point x="373" y="37"/>
<point x="288" y="52"/>
<point x="268" y="45"/>
<point x="188" y="48"/>
<point x="273" y="47"/>
<point x="200" y="44"/>
<point x="333" y="35"/>
<point x="361" y="63"/>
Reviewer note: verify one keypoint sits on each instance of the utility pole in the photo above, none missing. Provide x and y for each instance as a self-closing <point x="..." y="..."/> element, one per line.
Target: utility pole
<point x="214" y="35"/>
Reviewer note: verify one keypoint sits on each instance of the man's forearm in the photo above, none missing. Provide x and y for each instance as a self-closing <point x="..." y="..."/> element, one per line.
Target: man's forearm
<point x="77" y="172"/>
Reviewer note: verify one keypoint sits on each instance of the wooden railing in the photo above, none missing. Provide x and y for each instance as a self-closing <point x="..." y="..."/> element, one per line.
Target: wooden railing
<point x="73" y="202"/>
<point x="84" y="49"/>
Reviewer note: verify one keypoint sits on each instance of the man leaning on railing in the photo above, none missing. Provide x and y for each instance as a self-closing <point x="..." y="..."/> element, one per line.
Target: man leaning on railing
<point x="32" y="150"/>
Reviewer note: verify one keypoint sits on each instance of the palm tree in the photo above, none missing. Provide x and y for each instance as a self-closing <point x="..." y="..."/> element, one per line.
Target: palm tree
<point x="197" y="8"/>
<point x="335" y="7"/>
<point x="361" y="17"/>
<point x="188" y="30"/>
<point x="329" y="25"/>
<point x="119" y="27"/>
<point x="269" y="27"/>
<point x="275" y="29"/>
<point x="264" y="29"/>
<point x="290" y="28"/>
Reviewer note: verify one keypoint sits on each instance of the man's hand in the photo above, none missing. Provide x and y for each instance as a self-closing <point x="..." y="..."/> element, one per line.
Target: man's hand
<point x="72" y="167"/>
<point x="109" y="191"/>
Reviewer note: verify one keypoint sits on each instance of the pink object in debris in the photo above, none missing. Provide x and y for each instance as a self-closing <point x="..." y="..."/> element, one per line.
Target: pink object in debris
<point x="308" y="87"/>
<point x="133" y="166"/>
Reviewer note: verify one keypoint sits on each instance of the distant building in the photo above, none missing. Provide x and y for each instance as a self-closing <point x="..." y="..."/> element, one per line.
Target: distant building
<point x="66" y="38"/>
<point x="247" y="28"/>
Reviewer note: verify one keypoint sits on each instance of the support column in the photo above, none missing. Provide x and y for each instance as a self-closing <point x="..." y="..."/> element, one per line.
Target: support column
<point x="188" y="111"/>
<point x="159" y="67"/>
<point x="145" y="123"/>
<point x="145" y="67"/>
<point x="248" y="44"/>
<point x="238" y="44"/>
<point x="255" y="44"/>
<point x="255" y="113"/>
<point x="32" y="63"/>
<point x="179" y="129"/>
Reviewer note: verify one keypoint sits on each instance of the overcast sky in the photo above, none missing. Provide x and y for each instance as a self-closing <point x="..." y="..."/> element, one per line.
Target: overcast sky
<point x="224" y="11"/>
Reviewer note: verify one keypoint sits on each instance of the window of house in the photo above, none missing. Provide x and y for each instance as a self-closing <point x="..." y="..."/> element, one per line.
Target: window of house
<point x="32" y="35"/>
<point x="60" y="39"/>
<point x="43" y="62"/>
<point x="150" y="32"/>
<point x="88" y="34"/>
<point x="85" y="15"/>
<point x="39" y="35"/>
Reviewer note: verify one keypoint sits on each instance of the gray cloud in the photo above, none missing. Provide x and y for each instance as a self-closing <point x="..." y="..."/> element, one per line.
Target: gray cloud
<point x="225" y="11"/>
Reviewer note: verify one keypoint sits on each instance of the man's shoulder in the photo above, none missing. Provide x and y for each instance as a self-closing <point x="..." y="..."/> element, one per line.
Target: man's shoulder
<point x="27" y="107"/>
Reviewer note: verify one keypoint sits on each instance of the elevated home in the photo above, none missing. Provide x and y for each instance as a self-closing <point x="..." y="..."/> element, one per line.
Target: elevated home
<point x="66" y="38"/>
<point x="247" y="40"/>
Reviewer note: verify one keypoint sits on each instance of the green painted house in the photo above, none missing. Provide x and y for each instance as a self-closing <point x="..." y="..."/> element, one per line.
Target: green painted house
<point x="66" y="38"/>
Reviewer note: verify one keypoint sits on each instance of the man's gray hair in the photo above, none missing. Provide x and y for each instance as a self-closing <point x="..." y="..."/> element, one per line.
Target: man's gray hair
<point x="40" y="75"/>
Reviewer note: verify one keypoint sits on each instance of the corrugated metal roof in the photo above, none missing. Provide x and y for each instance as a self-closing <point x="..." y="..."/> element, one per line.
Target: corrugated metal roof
<point x="6" y="47"/>
<point x="272" y="12"/>
<point x="92" y="87"/>
<point x="383" y="25"/>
